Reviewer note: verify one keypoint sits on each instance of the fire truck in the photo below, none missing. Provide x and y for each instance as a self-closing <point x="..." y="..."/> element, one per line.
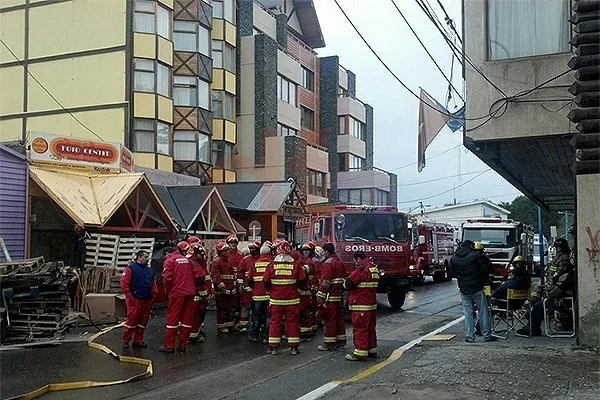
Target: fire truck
<point x="503" y="240"/>
<point x="433" y="246"/>
<point x="381" y="232"/>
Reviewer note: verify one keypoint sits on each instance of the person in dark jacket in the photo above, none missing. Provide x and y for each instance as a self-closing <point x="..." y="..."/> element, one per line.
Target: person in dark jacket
<point x="471" y="269"/>
<point x="518" y="279"/>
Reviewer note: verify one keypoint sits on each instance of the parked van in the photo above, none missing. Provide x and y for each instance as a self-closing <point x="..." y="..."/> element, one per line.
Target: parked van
<point x="536" y="253"/>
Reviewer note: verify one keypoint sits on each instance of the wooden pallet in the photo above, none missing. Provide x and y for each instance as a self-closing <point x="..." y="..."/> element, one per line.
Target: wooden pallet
<point x="127" y="249"/>
<point x="97" y="279"/>
<point x="21" y="266"/>
<point x="101" y="250"/>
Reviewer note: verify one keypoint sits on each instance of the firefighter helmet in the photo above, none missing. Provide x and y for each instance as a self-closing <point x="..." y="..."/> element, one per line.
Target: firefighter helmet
<point x="478" y="246"/>
<point x="193" y="239"/>
<point x="306" y="246"/>
<point x="284" y="247"/>
<point x="255" y="244"/>
<point x="222" y="246"/>
<point x="277" y="242"/>
<point x="319" y="252"/>
<point x="311" y="244"/>
<point x="246" y="251"/>
<point x="562" y="244"/>
<point x="518" y="259"/>
<point x="232" y="238"/>
<point x="183" y="247"/>
<point x="267" y="243"/>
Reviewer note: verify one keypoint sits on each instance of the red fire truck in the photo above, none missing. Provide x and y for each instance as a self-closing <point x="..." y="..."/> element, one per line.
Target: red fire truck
<point x="433" y="246"/>
<point x="381" y="232"/>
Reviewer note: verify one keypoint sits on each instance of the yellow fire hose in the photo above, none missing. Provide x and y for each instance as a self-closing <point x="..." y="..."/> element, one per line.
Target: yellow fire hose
<point x="55" y="387"/>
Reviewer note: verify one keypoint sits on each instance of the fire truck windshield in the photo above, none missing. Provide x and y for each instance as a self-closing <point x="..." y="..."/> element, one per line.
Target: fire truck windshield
<point x="371" y="227"/>
<point x="502" y="238"/>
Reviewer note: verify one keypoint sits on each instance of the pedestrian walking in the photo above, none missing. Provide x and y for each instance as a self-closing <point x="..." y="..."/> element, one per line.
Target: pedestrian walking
<point x="137" y="282"/>
<point x="178" y="277"/>
<point x="472" y="268"/>
<point x="362" y="302"/>
<point x="282" y="279"/>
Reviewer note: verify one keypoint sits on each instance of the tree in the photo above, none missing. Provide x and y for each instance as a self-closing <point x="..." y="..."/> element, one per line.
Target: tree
<point x="524" y="210"/>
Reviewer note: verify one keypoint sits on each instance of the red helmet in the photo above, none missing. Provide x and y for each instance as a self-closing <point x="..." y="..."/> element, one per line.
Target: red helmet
<point x="193" y="239"/>
<point x="197" y="247"/>
<point x="311" y="244"/>
<point x="232" y="238"/>
<point x="183" y="247"/>
<point x="284" y="247"/>
<point x="222" y="246"/>
<point x="255" y="244"/>
<point x="308" y="246"/>
<point x="277" y="242"/>
<point x="267" y="243"/>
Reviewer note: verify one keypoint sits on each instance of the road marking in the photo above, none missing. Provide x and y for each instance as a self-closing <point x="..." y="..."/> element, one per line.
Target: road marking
<point x="396" y="354"/>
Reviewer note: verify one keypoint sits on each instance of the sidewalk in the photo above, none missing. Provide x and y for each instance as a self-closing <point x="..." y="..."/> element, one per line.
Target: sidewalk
<point x="517" y="368"/>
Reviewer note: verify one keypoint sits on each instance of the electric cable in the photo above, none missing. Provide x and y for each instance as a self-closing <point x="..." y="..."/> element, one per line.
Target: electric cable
<point x="48" y="92"/>
<point x="426" y="50"/>
<point x="449" y="21"/>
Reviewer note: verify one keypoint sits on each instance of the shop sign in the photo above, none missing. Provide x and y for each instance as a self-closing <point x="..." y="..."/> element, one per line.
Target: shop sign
<point x="47" y="150"/>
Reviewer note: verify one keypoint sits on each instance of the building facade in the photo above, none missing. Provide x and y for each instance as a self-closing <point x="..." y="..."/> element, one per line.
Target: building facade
<point x="518" y="102"/>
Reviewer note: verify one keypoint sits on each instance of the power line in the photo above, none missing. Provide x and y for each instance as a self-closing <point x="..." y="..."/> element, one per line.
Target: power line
<point x="47" y="91"/>
<point x="427" y="51"/>
<point x="440" y="179"/>
<point x="446" y="191"/>
<point x="449" y="21"/>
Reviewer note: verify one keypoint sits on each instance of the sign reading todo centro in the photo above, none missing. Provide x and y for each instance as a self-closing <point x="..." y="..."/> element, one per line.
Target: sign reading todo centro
<point x="47" y="150"/>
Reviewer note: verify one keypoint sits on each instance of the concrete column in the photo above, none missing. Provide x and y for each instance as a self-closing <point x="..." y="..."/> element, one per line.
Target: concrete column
<point x="588" y="258"/>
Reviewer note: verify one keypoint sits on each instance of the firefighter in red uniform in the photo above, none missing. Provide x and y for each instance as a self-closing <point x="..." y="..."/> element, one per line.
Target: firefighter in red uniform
<point x="305" y="261"/>
<point x="140" y="289"/>
<point x="245" y="291"/>
<point x="318" y="258"/>
<point x="362" y="301"/>
<point x="178" y="277"/>
<point x="223" y="275"/>
<point x="330" y="298"/>
<point x="283" y="278"/>
<point x="204" y="291"/>
<point x="235" y="257"/>
<point x="260" y="297"/>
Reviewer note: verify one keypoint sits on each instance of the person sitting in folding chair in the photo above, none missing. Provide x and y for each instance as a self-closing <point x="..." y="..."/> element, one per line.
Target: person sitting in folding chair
<point x="518" y="278"/>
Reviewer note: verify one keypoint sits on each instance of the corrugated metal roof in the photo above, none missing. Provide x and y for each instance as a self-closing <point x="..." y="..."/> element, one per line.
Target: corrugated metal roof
<point x="167" y="200"/>
<point x="271" y="197"/>
<point x="238" y="196"/>
<point x="188" y="200"/>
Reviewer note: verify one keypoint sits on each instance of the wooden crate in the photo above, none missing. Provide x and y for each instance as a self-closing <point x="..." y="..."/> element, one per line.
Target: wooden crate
<point x="101" y="250"/>
<point x="127" y="249"/>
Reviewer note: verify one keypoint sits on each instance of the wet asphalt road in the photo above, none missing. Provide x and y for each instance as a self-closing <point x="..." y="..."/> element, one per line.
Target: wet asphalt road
<point x="225" y="366"/>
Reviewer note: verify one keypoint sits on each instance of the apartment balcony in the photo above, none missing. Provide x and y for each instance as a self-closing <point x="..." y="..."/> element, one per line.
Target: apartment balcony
<point x="347" y="105"/>
<point x="362" y="178"/>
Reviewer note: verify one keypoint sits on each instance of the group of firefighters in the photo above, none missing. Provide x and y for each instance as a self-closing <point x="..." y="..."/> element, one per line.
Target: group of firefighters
<point x="270" y="290"/>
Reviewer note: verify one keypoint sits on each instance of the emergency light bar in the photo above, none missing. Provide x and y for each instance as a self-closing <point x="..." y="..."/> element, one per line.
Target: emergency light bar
<point x="491" y="220"/>
<point x="365" y="208"/>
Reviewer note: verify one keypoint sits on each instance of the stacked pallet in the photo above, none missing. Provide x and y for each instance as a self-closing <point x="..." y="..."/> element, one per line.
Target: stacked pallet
<point x="36" y="299"/>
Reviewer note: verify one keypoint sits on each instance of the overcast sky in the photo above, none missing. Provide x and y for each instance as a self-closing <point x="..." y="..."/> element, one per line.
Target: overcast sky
<point x="449" y="164"/>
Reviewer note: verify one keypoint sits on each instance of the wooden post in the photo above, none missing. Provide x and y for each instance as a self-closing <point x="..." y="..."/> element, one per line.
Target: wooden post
<point x="274" y="226"/>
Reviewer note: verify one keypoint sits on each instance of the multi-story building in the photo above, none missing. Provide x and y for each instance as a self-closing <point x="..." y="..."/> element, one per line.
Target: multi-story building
<point x="517" y="105"/>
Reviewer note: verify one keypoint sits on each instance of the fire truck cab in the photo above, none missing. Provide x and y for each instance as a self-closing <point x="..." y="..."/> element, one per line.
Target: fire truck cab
<point x="381" y="232"/>
<point x="503" y="240"/>
<point x="433" y="246"/>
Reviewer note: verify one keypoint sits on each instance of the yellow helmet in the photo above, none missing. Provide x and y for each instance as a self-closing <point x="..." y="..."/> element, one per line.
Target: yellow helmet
<point x="518" y="259"/>
<point x="478" y="246"/>
<point x="319" y="252"/>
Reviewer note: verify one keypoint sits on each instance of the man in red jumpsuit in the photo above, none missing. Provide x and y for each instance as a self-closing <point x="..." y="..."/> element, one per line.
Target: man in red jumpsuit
<point x="305" y="261"/>
<point x="204" y="291"/>
<point x="245" y="291"/>
<point x="260" y="297"/>
<point x="318" y="258"/>
<point x="178" y="277"/>
<point x="330" y="298"/>
<point x="283" y="278"/>
<point x="140" y="289"/>
<point x="362" y="301"/>
<point x="224" y="279"/>
<point x="235" y="258"/>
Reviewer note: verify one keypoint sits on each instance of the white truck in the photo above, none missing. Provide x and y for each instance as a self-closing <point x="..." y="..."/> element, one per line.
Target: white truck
<point x="503" y="240"/>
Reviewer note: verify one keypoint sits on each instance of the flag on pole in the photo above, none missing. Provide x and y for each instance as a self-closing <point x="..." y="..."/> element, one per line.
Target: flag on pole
<point x="432" y="118"/>
<point x="457" y="120"/>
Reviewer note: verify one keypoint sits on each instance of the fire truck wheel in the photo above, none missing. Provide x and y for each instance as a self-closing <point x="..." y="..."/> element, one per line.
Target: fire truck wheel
<point x="438" y="276"/>
<point x="419" y="280"/>
<point x="396" y="300"/>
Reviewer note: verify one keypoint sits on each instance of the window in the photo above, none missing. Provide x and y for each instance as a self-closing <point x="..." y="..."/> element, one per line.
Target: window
<point x="185" y="91"/>
<point x="316" y="183"/>
<point x="163" y="80"/>
<point x="143" y="78"/>
<point x="381" y="197"/>
<point x="222" y="154"/>
<point x="355" y="163"/>
<point x="527" y="28"/>
<point x="342" y="162"/>
<point x="191" y="37"/>
<point x="152" y="17"/>
<point x="150" y="136"/>
<point x="223" y="55"/>
<point x="222" y="105"/>
<point x="308" y="79"/>
<point x="355" y="196"/>
<point x="283" y="130"/>
<point x="356" y="129"/>
<point x="191" y="146"/>
<point x="342" y="126"/>
<point x="223" y="9"/>
<point x="307" y="118"/>
<point x="286" y="90"/>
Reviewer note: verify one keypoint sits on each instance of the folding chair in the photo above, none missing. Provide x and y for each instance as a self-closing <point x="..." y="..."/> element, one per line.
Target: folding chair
<point x="568" y="306"/>
<point x="512" y="313"/>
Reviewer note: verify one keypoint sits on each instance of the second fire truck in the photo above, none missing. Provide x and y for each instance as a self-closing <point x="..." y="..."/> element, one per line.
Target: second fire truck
<point x="433" y="246"/>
